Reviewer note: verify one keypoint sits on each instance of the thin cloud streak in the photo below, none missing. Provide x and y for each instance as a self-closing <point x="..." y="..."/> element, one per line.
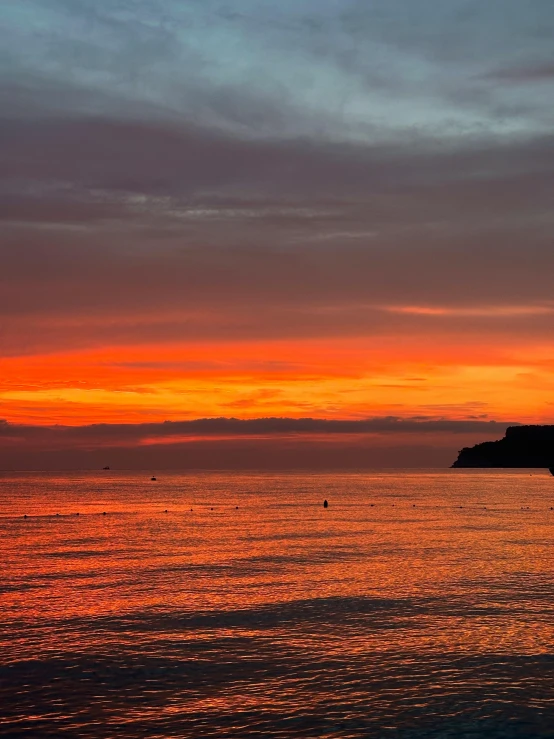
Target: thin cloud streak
<point x="492" y="311"/>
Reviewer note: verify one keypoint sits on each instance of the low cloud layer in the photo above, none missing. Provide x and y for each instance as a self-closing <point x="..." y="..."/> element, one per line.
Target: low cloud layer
<point x="221" y="443"/>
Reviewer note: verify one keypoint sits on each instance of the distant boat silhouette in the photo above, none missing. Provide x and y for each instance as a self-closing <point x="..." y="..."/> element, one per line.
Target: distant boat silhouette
<point x="152" y="478"/>
<point x="105" y="468"/>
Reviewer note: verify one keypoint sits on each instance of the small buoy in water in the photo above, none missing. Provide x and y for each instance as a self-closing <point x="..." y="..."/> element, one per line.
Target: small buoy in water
<point x="152" y="478"/>
<point x="57" y="514"/>
<point x="211" y="509"/>
<point x="77" y="513"/>
<point x="325" y="504"/>
<point x="25" y="516"/>
<point x="104" y="513"/>
<point x="236" y="508"/>
<point x="165" y="510"/>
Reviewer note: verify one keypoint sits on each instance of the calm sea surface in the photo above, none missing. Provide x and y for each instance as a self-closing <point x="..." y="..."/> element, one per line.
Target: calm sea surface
<point x="418" y="604"/>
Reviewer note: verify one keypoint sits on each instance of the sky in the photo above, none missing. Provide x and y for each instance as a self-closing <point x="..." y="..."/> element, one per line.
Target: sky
<point x="248" y="209"/>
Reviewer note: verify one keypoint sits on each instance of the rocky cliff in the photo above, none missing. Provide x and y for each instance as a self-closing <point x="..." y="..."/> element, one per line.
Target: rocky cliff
<point x="522" y="446"/>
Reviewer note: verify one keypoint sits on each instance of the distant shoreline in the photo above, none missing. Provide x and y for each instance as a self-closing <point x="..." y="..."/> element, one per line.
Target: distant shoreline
<point x="522" y="447"/>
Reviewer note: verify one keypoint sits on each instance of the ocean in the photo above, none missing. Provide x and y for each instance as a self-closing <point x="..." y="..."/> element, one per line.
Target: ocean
<point x="418" y="604"/>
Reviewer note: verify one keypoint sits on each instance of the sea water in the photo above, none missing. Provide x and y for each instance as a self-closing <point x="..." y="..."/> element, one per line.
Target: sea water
<point x="418" y="604"/>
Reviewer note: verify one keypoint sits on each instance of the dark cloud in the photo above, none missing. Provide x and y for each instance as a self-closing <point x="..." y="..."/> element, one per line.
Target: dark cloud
<point x="160" y="229"/>
<point x="131" y="433"/>
<point x="227" y="443"/>
<point x="73" y="288"/>
<point x="90" y="157"/>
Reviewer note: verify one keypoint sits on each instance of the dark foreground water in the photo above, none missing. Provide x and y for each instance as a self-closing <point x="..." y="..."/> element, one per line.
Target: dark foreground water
<point x="419" y="604"/>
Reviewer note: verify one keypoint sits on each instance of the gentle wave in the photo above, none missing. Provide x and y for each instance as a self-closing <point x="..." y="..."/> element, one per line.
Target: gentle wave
<point x="416" y="605"/>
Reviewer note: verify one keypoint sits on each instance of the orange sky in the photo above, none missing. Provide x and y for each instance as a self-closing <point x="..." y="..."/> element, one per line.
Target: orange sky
<point x="335" y="378"/>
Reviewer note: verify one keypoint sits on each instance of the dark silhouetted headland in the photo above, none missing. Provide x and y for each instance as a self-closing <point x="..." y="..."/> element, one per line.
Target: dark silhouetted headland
<point x="522" y="446"/>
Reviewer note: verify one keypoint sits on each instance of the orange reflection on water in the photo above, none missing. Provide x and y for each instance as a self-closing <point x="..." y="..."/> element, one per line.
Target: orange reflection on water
<point x="259" y="598"/>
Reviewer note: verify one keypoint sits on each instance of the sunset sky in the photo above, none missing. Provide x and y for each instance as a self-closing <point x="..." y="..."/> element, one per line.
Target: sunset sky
<point x="329" y="209"/>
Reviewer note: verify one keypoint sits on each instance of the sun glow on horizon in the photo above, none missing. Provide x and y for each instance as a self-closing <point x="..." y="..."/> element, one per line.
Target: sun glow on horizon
<point x="347" y="379"/>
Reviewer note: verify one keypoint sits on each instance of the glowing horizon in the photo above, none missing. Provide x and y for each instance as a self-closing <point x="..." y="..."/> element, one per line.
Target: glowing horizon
<point x="331" y="379"/>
